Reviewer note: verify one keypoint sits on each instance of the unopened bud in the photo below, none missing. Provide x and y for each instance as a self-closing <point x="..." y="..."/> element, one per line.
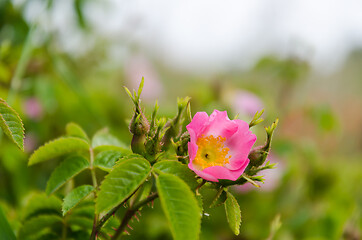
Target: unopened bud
<point x="257" y="156"/>
<point x="182" y="145"/>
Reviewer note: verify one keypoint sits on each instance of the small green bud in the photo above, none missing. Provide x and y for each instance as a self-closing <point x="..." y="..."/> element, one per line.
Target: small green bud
<point x="153" y="144"/>
<point x="139" y="125"/>
<point x="175" y="125"/>
<point x="182" y="144"/>
<point x="258" y="155"/>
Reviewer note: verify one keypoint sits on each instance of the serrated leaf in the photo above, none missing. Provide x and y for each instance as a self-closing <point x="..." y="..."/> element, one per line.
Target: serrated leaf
<point x="75" y="196"/>
<point x="180" y="207"/>
<point x="104" y="138"/>
<point x="58" y="147"/>
<point x="42" y="204"/>
<point x="6" y="232"/>
<point x="121" y="182"/>
<point x="233" y="213"/>
<point x="178" y="169"/>
<point x="69" y="168"/>
<point x="11" y="124"/>
<point x="74" y="130"/>
<point x="107" y="159"/>
<point x="36" y="225"/>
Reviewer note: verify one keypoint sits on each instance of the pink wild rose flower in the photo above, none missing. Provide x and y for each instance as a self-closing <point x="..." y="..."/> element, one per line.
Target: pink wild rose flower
<point x="219" y="147"/>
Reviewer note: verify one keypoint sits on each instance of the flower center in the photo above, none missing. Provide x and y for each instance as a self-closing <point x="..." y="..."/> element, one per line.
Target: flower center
<point x="211" y="152"/>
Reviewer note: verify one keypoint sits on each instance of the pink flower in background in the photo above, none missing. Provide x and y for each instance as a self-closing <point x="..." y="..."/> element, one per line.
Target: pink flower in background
<point x="30" y="142"/>
<point x="33" y="108"/>
<point x="272" y="177"/>
<point x="137" y="67"/>
<point x="246" y="103"/>
<point x="219" y="147"/>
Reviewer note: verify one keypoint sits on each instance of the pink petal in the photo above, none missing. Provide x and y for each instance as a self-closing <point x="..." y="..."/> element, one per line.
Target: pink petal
<point x="220" y="172"/>
<point x="240" y="145"/>
<point x="192" y="150"/>
<point x="196" y="126"/>
<point x="220" y="125"/>
<point x="202" y="174"/>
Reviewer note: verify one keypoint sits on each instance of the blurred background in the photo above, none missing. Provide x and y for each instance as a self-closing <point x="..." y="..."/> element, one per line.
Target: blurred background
<point x="301" y="61"/>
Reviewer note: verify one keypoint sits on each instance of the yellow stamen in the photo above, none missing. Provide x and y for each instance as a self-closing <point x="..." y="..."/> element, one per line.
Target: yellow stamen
<point x="211" y="152"/>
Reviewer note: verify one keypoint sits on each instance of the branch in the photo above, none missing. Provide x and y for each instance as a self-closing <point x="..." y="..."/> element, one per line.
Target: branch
<point x="130" y="213"/>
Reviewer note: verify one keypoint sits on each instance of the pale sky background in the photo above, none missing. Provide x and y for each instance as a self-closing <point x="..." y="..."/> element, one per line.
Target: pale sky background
<point x="208" y="36"/>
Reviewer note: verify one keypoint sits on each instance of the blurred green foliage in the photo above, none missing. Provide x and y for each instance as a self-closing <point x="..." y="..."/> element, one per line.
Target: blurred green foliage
<point x="318" y="143"/>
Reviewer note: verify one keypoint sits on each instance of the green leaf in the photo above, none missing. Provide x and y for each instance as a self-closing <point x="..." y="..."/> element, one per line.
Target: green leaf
<point x="178" y="169"/>
<point x="69" y="168"/>
<point x="81" y="222"/>
<point x="180" y="207"/>
<point x="42" y="204"/>
<point x="104" y="138"/>
<point x="99" y="149"/>
<point x="74" y="130"/>
<point x="146" y="189"/>
<point x="58" y="147"/>
<point x="84" y="209"/>
<point x="37" y="225"/>
<point x="75" y="196"/>
<point x="107" y="159"/>
<point x="6" y="233"/>
<point x="11" y="124"/>
<point x="121" y="182"/>
<point x="233" y="213"/>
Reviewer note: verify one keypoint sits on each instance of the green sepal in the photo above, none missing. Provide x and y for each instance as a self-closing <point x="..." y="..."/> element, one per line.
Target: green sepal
<point x="256" y="119"/>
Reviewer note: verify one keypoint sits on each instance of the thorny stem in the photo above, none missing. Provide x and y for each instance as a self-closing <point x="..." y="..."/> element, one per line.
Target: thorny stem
<point x="105" y="218"/>
<point x="130" y="213"/>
